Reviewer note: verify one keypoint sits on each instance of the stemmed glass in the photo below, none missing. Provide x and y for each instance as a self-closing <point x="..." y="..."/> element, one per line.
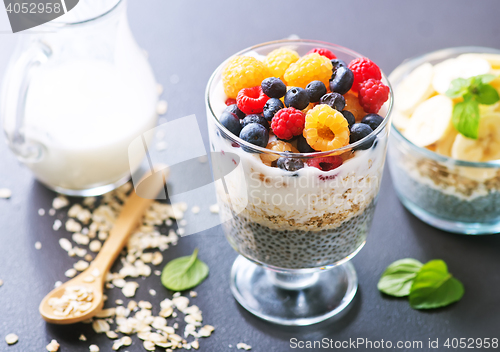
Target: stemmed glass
<point x="295" y="231"/>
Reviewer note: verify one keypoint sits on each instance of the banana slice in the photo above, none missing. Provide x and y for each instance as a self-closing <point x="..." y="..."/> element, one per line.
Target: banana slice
<point x="444" y="145"/>
<point x="414" y="89"/>
<point x="461" y="67"/>
<point x="400" y="120"/>
<point x="486" y="147"/>
<point x="493" y="59"/>
<point x="431" y="121"/>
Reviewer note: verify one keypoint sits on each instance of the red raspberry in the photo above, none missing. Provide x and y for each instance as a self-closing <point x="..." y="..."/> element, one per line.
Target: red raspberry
<point x="372" y="95"/>
<point x="324" y="52"/>
<point x="251" y="100"/>
<point x="326" y="163"/>
<point x="363" y="69"/>
<point x="230" y="101"/>
<point x="288" y="123"/>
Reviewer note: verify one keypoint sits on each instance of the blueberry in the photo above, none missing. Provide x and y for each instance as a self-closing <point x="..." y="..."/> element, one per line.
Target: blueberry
<point x="255" y="134"/>
<point x="233" y="108"/>
<point x="351" y="120"/>
<point x="272" y="106"/>
<point x="334" y="100"/>
<point x="289" y="164"/>
<point x="338" y="63"/>
<point x="342" y="80"/>
<point x="303" y="146"/>
<point x="273" y="87"/>
<point x="255" y="119"/>
<point x="372" y="120"/>
<point x="297" y="98"/>
<point x="315" y="90"/>
<point x="231" y="122"/>
<point x="360" y="131"/>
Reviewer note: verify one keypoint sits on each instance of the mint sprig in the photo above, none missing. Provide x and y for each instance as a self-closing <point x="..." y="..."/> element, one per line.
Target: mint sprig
<point x="184" y="273"/>
<point x="474" y="91"/>
<point x="428" y="286"/>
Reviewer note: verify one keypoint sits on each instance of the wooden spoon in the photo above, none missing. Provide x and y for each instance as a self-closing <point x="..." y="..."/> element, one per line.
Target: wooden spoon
<point x="127" y="221"/>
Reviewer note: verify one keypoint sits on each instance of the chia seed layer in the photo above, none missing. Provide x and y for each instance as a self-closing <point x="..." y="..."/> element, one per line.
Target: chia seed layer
<point x="479" y="209"/>
<point x="298" y="249"/>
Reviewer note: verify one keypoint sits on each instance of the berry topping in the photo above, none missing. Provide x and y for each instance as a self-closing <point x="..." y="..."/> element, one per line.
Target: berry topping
<point x="372" y="120"/>
<point x="278" y="60"/>
<point x="324" y="52"/>
<point x="342" y="80"/>
<point x="360" y="131"/>
<point x="289" y="163"/>
<point x="302" y="145"/>
<point x="273" y="87"/>
<point x="352" y="104"/>
<point x="308" y="68"/>
<point x="336" y="63"/>
<point x="333" y="100"/>
<point x="277" y="146"/>
<point x="242" y="72"/>
<point x="296" y="98"/>
<point x="272" y="106"/>
<point x="251" y="100"/>
<point x="326" y="163"/>
<point x="326" y="128"/>
<point x="287" y="123"/>
<point x="230" y="101"/>
<point x="255" y="134"/>
<point x="351" y="120"/>
<point x="363" y="69"/>
<point x="315" y="90"/>
<point x="233" y="108"/>
<point x="255" y="119"/>
<point x="372" y="95"/>
<point x="231" y="122"/>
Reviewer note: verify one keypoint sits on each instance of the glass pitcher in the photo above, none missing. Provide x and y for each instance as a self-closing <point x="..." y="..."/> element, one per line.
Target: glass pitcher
<point x="77" y="91"/>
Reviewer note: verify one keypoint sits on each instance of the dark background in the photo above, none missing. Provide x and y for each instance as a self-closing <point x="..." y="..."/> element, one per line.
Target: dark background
<point x="190" y="39"/>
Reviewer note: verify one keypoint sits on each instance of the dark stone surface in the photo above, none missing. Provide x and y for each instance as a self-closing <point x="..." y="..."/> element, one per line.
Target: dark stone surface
<point x="190" y="39"/>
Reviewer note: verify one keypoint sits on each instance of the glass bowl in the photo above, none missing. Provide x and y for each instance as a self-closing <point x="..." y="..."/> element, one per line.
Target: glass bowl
<point x="295" y="231"/>
<point x="452" y="195"/>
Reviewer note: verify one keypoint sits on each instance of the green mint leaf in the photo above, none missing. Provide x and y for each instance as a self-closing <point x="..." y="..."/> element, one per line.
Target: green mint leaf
<point x="397" y="279"/>
<point x="487" y="95"/>
<point x="458" y="87"/>
<point x="435" y="287"/>
<point x="466" y="118"/>
<point x="486" y="78"/>
<point x="184" y="273"/>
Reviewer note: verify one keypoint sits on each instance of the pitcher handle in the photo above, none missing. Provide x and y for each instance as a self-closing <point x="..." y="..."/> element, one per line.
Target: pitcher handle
<point x="14" y="93"/>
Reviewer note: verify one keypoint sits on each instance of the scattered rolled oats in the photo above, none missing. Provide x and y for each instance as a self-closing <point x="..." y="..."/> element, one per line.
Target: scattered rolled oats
<point x="193" y="293"/>
<point x="57" y="283"/>
<point x="57" y="224"/>
<point x="88" y="257"/>
<point x="73" y="226"/>
<point x="82" y="338"/>
<point x="11" y="339"/>
<point x="149" y="345"/>
<point x="65" y="244"/>
<point x="79" y="238"/>
<point x="152" y="292"/>
<point x="243" y="346"/>
<point x="129" y="289"/>
<point x="94" y="348"/>
<point x="119" y="302"/>
<point x="81" y="265"/>
<point x="60" y="202"/>
<point x="157" y="272"/>
<point x="70" y="272"/>
<point x="161" y="107"/>
<point x="53" y="346"/>
<point x="38" y="245"/>
<point x="95" y="246"/>
<point x="100" y="326"/>
<point x="41" y="212"/>
<point x="111" y="335"/>
<point x="103" y="235"/>
<point x="214" y="208"/>
<point x="52" y="212"/>
<point x="106" y="313"/>
<point x="126" y="340"/>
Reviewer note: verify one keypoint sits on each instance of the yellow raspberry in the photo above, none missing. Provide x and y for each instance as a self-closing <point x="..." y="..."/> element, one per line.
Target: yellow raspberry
<point x="277" y="146"/>
<point x="326" y="128"/>
<point x="243" y="72"/>
<point x="278" y="60"/>
<point x="308" y="68"/>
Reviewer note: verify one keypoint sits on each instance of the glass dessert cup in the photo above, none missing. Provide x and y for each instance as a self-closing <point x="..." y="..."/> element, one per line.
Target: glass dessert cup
<point x="453" y="195"/>
<point x="295" y="231"/>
